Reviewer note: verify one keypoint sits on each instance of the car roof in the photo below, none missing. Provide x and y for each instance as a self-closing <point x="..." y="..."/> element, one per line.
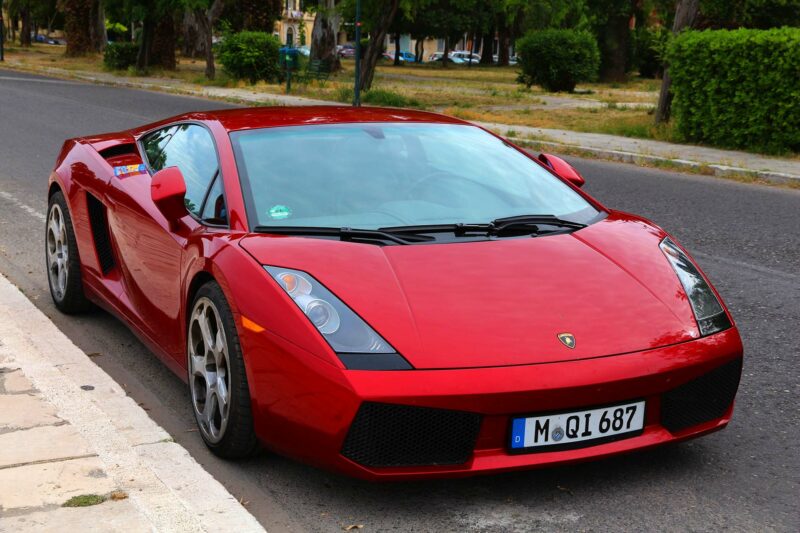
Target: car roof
<point x="277" y="116"/>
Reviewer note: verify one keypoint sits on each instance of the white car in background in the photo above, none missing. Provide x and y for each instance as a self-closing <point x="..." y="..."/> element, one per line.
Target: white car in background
<point x="466" y="57"/>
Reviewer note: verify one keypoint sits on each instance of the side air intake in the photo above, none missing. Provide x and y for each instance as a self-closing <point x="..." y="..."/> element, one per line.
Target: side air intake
<point x="102" y="240"/>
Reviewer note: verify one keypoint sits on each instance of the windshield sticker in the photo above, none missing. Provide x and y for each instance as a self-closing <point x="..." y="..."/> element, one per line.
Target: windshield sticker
<point x="127" y="170"/>
<point x="279" y="212"/>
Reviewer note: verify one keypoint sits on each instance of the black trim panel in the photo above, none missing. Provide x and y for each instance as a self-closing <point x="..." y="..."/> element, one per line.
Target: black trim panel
<point x="374" y="361"/>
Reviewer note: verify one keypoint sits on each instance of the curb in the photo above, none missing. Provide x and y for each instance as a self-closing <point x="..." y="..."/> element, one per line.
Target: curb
<point x="707" y="169"/>
<point x="166" y="485"/>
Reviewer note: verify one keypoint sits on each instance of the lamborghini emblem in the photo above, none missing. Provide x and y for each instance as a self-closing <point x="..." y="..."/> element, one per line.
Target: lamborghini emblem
<point x="567" y="339"/>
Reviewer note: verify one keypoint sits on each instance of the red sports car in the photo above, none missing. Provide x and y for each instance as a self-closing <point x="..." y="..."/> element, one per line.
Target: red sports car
<point x="387" y="293"/>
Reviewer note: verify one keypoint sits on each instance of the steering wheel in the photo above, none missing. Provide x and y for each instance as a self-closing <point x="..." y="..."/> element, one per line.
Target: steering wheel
<point x="419" y="182"/>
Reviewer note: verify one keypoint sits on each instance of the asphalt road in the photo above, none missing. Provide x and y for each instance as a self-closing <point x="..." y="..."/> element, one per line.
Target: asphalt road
<point x="746" y="237"/>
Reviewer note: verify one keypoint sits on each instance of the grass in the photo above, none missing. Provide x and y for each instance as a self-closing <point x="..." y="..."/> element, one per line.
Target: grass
<point x="483" y="93"/>
<point x="84" y="500"/>
<point x="613" y="121"/>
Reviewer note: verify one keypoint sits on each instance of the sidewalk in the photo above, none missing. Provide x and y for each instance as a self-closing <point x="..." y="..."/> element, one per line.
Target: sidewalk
<point x="78" y="454"/>
<point x="711" y="161"/>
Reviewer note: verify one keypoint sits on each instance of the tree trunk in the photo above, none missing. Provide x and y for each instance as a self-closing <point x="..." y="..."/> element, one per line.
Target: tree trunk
<point x="486" y="48"/>
<point x="323" y="35"/>
<point x="25" y="32"/>
<point x="419" y="49"/>
<point x="163" y="47"/>
<point x="377" y="38"/>
<point x="206" y="20"/>
<point x="146" y="43"/>
<point x="685" y="17"/>
<point x="193" y="42"/>
<point x="503" y="40"/>
<point x="77" y="23"/>
<point x="99" y="36"/>
<point x="397" y="49"/>
<point x="446" y="52"/>
<point x="614" y="49"/>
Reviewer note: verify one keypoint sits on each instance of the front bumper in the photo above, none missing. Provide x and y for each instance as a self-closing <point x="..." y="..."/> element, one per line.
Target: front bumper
<point x="305" y="407"/>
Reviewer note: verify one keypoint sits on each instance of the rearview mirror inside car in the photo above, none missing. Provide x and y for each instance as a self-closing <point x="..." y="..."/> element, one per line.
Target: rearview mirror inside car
<point x="168" y="190"/>
<point x="562" y="169"/>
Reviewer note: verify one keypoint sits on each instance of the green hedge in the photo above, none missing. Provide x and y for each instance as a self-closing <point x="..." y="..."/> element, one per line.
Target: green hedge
<point x="120" y="56"/>
<point x="558" y="59"/>
<point x="250" y="55"/>
<point x="738" y="89"/>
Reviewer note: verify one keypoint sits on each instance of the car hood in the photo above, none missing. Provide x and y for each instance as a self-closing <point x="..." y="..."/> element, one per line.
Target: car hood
<point x="504" y="302"/>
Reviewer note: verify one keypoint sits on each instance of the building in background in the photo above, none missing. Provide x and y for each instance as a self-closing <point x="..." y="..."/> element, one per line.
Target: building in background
<point x="295" y="26"/>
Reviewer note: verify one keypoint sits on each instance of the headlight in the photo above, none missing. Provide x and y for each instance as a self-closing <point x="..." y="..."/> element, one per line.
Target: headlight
<point x="708" y="312"/>
<point x="354" y="341"/>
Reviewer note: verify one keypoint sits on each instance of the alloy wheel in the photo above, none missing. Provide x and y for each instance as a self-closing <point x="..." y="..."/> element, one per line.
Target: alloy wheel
<point x="57" y="252"/>
<point x="209" y="364"/>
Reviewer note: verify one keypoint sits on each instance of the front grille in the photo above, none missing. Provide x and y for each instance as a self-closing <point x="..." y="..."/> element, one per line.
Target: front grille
<point x="701" y="400"/>
<point x="385" y="435"/>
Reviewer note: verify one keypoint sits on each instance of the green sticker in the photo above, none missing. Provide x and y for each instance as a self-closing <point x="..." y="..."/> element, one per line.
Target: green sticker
<point x="279" y="212"/>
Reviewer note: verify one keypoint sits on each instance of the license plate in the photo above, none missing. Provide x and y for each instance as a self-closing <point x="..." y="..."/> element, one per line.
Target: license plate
<point x="576" y="429"/>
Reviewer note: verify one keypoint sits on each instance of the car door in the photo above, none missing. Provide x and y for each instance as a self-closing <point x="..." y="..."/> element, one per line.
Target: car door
<point x="151" y="252"/>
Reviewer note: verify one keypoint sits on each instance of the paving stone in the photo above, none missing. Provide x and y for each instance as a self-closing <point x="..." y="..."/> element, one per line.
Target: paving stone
<point x="21" y="411"/>
<point x="15" y="381"/>
<point x="110" y="516"/>
<point x="52" y="483"/>
<point x="42" y="443"/>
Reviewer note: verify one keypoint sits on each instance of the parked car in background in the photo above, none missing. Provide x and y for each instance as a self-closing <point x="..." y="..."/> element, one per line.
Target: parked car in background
<point x="346" y="50"/>
<point x="304" y="50"/>
<point x="512" y="60"/>
<point x="39" y="38"/>
<point x="466" y="57"/>
<point x="404" y="56"/>
<point x="438" y="56"/>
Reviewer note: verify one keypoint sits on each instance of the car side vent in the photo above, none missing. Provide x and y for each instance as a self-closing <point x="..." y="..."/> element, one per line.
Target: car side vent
<point x="118" y="150"/>
<point x="102" y="240"/>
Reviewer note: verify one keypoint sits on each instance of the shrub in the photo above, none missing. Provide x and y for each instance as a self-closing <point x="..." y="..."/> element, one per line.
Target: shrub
<point x="557" y="59"/>
<point x="651" y="44"/>
<point x="120" y="56"/>
<point x="344" y="95"/>
<point x="383" y="97"/>
<point x="250" y="55"/>
<point x="738" y="89"/>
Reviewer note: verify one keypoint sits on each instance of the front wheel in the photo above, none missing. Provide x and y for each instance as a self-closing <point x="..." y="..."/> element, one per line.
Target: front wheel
<point x="217" y="381"/>
<point x="62" y="261"/>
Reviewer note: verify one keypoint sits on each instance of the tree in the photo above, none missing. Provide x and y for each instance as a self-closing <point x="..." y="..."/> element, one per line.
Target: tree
<point x="77" y="26"/>
<point x="206" y="13"/>
<point x="323" y="34"/>
<point x="686" y="13"/>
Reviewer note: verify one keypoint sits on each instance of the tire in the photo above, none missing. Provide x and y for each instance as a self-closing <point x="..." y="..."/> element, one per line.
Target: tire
<point x="215" y="368"/>
<point x="62" y="261"/>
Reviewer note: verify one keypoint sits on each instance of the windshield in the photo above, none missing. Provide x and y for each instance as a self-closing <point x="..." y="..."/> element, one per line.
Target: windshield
<point x="376" y="175"/>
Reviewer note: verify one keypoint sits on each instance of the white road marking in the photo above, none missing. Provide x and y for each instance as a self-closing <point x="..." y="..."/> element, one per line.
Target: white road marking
<point x="25" y="207"/>
<point x="36" y="80"/>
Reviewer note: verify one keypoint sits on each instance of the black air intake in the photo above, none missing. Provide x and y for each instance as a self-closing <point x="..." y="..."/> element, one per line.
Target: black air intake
<point x="701" y="400"/>
<point x="102" y="240"/>
<point x="384" y="435"/>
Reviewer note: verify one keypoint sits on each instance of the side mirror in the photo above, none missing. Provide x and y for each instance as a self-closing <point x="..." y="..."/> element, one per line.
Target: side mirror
<point x="562" y="169"/>
<point x="168" y="190"/>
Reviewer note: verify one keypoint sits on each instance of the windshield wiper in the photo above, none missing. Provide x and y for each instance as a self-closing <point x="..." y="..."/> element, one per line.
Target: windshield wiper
<point x="346" y="234"/>
<point x="519" y="224"/>
<point x="526" y="221"/>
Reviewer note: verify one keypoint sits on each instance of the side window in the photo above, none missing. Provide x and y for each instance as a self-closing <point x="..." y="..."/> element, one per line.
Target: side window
<point x="190" y="148"/>
<point x="214" y="211"/>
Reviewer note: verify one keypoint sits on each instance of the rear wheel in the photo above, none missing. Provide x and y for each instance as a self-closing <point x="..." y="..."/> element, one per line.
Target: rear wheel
<point x="62" y="261"/>
<point x="217" y="381"/>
